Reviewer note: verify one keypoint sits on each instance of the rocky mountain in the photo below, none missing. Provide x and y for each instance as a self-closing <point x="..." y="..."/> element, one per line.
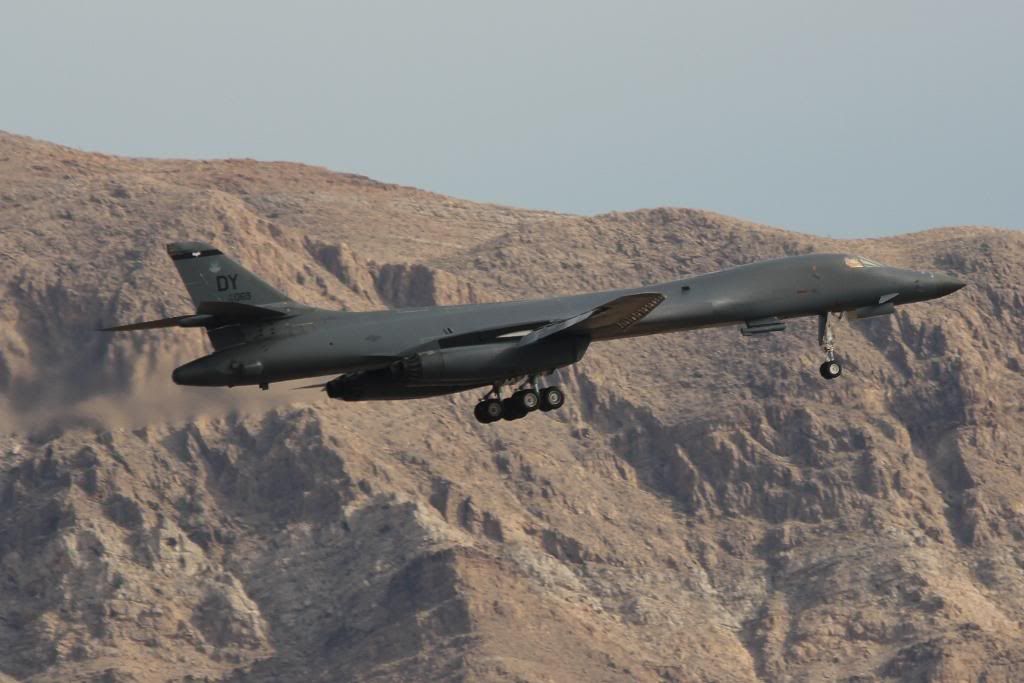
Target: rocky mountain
<point x="705" y="508"/>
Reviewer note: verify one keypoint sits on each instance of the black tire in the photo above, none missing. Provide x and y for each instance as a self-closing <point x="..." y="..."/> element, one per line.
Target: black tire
<point x="491" y="409"/>
<point x="528" y="400"/>
<point x="831" y="369"/>
<point x="479" y="414"/>
<point x="551" y="398"/>
<point x="511" y="410"/>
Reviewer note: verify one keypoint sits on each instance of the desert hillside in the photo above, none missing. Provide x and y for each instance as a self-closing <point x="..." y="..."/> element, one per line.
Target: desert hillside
<point x="705" y="507"/>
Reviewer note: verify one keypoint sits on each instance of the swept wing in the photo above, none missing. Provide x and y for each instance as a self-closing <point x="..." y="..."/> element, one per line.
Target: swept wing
<point x="614" y="317"/>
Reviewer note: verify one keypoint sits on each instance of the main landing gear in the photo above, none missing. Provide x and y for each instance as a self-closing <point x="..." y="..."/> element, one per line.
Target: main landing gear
<point x="520" y="404"/>
<point x="831" y="368"/>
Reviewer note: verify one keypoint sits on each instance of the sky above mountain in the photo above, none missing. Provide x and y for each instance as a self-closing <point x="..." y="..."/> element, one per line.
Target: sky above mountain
<point x="844" y="119"/>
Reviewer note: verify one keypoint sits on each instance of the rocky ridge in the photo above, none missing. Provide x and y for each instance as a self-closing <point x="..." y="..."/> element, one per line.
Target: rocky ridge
<point x="705" y="508"/>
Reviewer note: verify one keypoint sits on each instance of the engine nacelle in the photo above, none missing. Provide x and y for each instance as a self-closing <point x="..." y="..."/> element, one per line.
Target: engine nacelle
<point x="382" y="385"/>
<point x="486" y="363"/>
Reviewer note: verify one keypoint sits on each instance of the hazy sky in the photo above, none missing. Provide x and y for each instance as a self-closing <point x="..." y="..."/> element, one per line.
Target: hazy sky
<point x="827" y="116"/>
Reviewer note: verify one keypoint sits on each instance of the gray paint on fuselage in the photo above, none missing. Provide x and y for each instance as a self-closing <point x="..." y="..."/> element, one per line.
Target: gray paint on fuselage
<point x="319" y="342"/>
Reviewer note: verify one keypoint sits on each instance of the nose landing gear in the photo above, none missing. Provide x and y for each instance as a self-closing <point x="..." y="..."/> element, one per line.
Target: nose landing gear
<point x="831" y="368"/>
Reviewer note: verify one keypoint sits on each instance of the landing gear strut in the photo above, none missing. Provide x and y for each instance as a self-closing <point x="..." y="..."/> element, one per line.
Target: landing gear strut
<point x="521" y="403"/>
<point x="831" y="368"/>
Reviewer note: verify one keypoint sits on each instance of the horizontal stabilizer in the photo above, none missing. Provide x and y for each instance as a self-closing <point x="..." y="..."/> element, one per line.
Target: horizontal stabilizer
<point x="232" y="312"/>
<point x="609" y="319"/>
<point x="152" y="324"/>
<point x="209" y="314"/>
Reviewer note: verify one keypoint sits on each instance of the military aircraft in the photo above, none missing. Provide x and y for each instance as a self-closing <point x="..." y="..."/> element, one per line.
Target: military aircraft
<point x="261" y="336"/>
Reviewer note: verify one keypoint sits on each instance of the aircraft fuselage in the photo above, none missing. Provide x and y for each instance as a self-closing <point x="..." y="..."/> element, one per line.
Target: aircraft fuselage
<point x="317" y="342"/>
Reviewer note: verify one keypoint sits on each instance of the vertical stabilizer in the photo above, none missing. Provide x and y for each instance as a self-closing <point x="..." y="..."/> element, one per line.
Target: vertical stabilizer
<point x="213" y="280"/>
<point x="209" y="275"/>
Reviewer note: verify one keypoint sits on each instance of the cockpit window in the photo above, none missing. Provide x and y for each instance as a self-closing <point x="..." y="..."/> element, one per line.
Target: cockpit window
<point x="860" y="262"/>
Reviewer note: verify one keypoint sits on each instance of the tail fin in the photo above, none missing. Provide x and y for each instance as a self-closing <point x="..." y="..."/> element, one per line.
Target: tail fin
<point x="209" y="276"/>
<point x="229" y="299"/>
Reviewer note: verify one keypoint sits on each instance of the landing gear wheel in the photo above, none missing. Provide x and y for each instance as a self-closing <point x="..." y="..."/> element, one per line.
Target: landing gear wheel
<point x="527" y="400"/>
<point x="511" y="409"/>
<point x="551" y="398"/>
<point x="487" y="411"/>
<point x="831" y="369"/>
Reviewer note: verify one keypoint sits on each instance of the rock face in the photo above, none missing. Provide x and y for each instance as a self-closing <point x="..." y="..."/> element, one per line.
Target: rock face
<point x="705" y="507"/>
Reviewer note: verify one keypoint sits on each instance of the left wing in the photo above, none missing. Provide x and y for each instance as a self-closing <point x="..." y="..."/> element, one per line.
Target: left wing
<point x="614" y="317"/>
